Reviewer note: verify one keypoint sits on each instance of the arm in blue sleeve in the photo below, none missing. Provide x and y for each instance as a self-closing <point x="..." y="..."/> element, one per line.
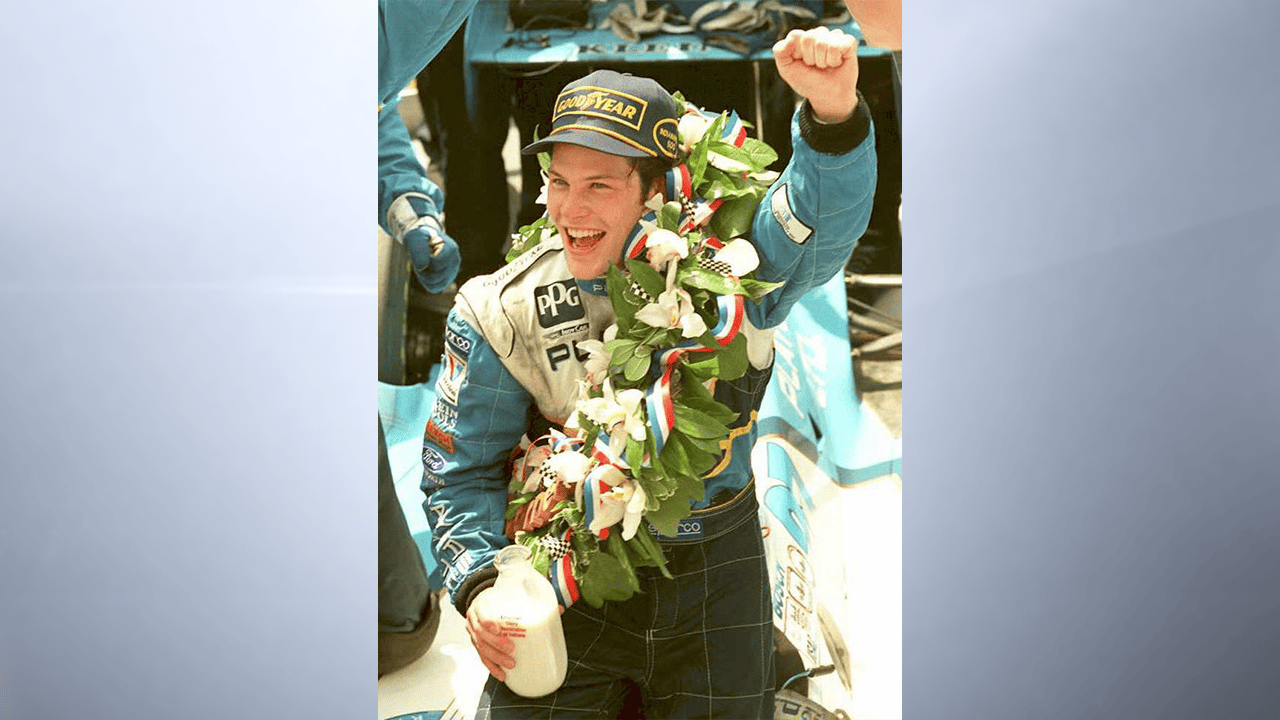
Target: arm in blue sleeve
<point x="410" y="34"/>
<point x="399" y="171"/>
<point x="815" y="212"/>
<point x="479" y="416"/>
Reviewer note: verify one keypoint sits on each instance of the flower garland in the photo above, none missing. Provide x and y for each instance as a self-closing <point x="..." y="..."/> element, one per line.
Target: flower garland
<point x="646" y="427"/>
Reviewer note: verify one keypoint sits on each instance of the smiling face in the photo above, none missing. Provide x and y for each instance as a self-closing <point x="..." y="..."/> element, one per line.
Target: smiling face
<point x="594" y="199"/>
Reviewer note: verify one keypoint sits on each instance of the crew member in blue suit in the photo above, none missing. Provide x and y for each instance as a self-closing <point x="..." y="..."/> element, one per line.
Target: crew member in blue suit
<point x="699" y="644"/>
<point x="410" y="33"/>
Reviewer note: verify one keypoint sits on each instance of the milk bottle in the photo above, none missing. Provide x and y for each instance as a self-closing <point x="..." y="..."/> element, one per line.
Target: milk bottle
<point x="523" y="604"/>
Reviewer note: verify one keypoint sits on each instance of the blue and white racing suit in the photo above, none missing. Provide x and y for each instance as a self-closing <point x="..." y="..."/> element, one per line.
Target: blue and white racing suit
<point x="511" y="364"/>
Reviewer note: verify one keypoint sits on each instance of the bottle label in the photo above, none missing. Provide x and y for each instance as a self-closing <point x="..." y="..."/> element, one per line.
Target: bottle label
<point x="510" y="628"/>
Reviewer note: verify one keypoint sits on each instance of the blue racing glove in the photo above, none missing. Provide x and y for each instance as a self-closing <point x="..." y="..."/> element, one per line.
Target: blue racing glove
<point x="433" y="254"/>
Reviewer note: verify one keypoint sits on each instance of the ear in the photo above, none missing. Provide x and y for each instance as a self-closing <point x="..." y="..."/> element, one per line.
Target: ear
<point x="657" y="187"/>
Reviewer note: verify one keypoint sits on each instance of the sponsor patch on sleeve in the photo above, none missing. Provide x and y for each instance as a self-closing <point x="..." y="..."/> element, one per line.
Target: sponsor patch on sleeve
<point x="432" y="460"/>
<point x="439" y="437"/>
<point x="452" y="373"/>
<point x="459" y="343"/>
<point x="780" y="204"/>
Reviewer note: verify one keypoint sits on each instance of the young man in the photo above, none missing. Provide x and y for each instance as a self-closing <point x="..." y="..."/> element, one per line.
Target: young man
<point x="700" y="644"/>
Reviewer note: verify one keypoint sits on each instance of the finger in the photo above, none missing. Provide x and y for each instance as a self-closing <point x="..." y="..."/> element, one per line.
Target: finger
<point x="821" y="46"/>
<point x="845" y="44"/>
<point x="494" y="670"/>
<point x="797" y="47"/>
<point x="833" y="49"/>
<point x="806" y="49"/>
<point x="783" y="49"/>
<point x="851" y="51"/>
<point x="485" y="635"/>
<point x="492" y="657"/>
<point x="493" y="638"/>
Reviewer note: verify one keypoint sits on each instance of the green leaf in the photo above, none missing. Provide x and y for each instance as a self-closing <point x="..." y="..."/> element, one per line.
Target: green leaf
<point x="734" y="217"/>
<point x="756" y="289"/>
<point x="733" y="152"/>
<point x="666" y="519"/>
<point x="648" y="278"/>
<point x="621" y="299"/>
<point x="733" y="358"/>
<point x="701" y="455"/>
<point x="697" y="424"/>
<point x="514" y="504"/>
<point x="650" y="549"/>
<point x="707" y="280"/>
<point x="697" y="161"/>
<point x="636" y="367"/>
<point x="709" y="406"/>
<point x="620" y="351"/>
<point x="703" y="367"/>
<point x="676" y="460"/>
<point x="604" y="579"/>
<point x="669" y="217"/>
<point x="635" y="452"/>
<point x="761" y="153"/>
<point x="617" y="549"/>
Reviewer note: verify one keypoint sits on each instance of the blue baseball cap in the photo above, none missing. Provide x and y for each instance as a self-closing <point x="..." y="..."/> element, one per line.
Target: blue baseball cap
<point x="617" y="114"/>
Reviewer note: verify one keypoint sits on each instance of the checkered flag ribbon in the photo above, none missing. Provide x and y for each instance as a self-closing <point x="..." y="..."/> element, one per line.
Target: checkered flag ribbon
<point x="556" y="547"/>
<point x="716" y="266"/>
<point x="640" y="292"/>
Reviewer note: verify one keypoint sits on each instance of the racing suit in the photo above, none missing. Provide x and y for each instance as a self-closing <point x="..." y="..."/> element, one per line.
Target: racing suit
<point x="410" y="33"/>
<point x="511" y="364"/>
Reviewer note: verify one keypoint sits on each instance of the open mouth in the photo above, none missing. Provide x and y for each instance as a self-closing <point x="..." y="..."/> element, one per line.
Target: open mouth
<point x="584" y="240"/>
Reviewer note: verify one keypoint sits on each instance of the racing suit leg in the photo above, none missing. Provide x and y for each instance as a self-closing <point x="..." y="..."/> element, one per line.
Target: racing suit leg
<point x="408" y="612"/>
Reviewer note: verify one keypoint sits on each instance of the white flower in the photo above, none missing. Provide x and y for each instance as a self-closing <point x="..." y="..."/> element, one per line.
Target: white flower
<point x="740" y="255"/>
<point x="542" y="194"/>
<point x="674" y="308"/>
<point x="632" y="425"/>
<point x="597" y="363"/>
<point x="635" y="508"/>
<point x="663" y="245"/>
<point x="569" y="466"/>
<point x="618" y="414"/>
<point x="624" y="500"/>
<point x="692" y="127"/>
<point x="654" y="203"/>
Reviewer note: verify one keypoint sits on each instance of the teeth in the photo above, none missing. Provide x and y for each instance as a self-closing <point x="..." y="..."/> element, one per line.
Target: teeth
<point x="580" y="238"/>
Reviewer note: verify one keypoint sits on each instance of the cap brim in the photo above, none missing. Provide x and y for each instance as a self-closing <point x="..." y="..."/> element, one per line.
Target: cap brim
<point x="588" y="139"/>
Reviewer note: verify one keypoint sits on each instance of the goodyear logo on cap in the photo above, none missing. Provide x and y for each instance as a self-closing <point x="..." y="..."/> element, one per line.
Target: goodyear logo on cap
<point x="612" y="105"/>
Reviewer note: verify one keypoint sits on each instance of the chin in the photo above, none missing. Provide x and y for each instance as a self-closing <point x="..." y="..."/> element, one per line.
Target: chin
<point x="585" y="271"/>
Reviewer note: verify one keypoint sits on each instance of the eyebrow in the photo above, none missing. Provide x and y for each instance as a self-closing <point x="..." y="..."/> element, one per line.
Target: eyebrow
<point x="597" y="176"/>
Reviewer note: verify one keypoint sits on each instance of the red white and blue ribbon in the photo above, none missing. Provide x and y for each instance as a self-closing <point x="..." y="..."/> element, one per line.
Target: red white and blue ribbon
<point x="659" y="405"/>
<point x="638" y="237"/>
<point x="731" y="314"/>
<point x="601" y="453"/>
<point x="734" y="132"/>
<point x="562" y="579"/>
<point x="679" y="183"/>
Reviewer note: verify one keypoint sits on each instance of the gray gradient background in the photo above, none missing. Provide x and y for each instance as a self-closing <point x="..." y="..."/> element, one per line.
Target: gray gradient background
<point x="187" y="271"/>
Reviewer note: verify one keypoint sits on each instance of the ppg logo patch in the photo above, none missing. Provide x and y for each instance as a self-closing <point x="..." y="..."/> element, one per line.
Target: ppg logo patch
<point x="558" y="303"/>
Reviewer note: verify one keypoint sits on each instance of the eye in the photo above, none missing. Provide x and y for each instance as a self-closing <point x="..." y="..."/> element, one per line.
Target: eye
<point x="558" y="182"/>
<point x="599" y="186"/>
